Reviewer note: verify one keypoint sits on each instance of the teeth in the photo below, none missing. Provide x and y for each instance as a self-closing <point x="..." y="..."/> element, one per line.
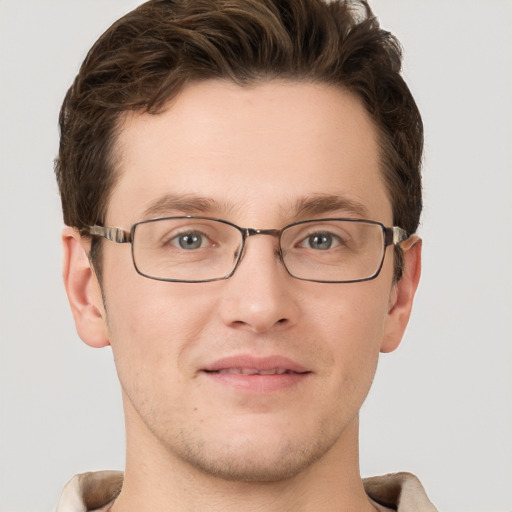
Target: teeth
<point x="252" y="371"/>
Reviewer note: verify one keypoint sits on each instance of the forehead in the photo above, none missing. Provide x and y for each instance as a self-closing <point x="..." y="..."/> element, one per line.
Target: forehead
<point x="252" y="152"/>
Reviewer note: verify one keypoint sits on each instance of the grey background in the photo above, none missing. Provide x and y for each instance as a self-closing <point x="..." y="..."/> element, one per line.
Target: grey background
<point x="441" y="405"/>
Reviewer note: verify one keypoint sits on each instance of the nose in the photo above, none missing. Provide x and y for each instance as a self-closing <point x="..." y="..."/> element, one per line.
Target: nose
<point x="260" y="296"/>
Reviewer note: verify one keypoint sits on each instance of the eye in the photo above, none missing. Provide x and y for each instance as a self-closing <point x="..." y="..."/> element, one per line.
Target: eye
<point x="190" y="240"/>
<point x="320" y="241"/>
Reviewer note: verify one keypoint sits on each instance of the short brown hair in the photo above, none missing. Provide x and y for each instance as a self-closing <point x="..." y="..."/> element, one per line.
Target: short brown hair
<point x="149" y="55"/>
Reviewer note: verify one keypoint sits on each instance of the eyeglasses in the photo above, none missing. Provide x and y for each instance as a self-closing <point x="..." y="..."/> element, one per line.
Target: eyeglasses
<point x="198" y="249"/>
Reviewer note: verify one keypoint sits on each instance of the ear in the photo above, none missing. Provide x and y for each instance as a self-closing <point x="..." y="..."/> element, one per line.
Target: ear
<point x="402" y="295"/>
<point x="83" y="290"/>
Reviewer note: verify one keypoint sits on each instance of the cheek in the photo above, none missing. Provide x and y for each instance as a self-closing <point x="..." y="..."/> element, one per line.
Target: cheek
<point x="353" y="324"/>
<point x="153" y="325"/>
<point x="354" y="313"/>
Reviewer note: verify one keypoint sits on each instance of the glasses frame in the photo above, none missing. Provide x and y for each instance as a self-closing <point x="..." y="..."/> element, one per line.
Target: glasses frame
<point x="393" y="235"/>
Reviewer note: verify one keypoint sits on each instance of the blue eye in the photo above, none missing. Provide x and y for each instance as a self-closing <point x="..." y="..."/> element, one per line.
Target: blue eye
<point x="190" y="241"/>
<point x="321" y="241"/>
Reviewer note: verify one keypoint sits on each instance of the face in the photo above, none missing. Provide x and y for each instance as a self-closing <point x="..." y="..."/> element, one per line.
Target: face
<point x="193" y="359"/>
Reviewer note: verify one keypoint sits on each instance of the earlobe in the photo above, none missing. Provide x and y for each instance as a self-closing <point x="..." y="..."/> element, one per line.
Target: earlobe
<point x="83" y="290"/>
<point x="402" y="295"/>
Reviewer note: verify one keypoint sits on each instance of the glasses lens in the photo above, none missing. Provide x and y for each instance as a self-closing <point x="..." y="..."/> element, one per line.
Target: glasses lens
<point x="186" y="249"/>
<point x="333" y="250"/>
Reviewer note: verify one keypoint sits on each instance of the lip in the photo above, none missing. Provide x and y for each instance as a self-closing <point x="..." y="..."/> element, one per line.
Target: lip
<point x="242" y="372"/>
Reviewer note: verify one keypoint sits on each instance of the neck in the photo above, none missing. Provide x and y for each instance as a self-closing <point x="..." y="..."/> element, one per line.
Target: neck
<point x="158" y="480"/>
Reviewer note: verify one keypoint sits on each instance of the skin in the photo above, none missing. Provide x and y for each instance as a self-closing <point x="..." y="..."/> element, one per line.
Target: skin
<point x="253" y="152"/>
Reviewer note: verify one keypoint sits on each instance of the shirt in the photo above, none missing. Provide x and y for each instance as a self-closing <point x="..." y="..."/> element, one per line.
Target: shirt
<point x="96" y="491"/>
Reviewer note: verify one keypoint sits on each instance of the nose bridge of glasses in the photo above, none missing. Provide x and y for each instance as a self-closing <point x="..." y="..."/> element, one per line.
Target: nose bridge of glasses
<point x="252" y="232"/>
<point x="248" y="232"/>
<point x="275" y="233"/>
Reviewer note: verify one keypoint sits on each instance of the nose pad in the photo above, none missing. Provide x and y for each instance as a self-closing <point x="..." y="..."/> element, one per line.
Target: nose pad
<point x="242" y="249"/>
<point x="259" y="293"/>
<point x="240" y="253"/>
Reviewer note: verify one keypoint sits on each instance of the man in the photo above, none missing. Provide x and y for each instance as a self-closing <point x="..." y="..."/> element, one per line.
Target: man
<point x="241" y="187"/>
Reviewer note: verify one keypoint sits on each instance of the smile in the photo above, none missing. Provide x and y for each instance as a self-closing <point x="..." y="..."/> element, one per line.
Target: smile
<point x="246" y="364"/>
<point x="253" y="371"/>
<point x="256" y="375"/>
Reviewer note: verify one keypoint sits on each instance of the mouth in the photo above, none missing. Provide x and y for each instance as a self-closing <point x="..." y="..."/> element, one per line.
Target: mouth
<point x="253" y="371"/>
<point x="256" y="374"/>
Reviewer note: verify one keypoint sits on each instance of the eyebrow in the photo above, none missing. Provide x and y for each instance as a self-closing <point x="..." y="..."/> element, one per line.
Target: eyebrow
<point x="187" y="204"/>
<point x="319" y="204"/>
<point x="308" y="206"/>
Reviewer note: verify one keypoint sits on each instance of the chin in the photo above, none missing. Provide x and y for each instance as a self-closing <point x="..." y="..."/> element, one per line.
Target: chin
<point x="263" y="467"/>
<point x="263" y="457"/>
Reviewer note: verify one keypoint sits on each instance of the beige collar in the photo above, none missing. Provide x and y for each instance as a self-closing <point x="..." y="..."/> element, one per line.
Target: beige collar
<point x="87" y="492"/>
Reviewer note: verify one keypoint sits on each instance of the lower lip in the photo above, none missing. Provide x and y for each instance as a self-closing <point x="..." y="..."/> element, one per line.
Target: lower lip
<point x="259" y="384"/>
